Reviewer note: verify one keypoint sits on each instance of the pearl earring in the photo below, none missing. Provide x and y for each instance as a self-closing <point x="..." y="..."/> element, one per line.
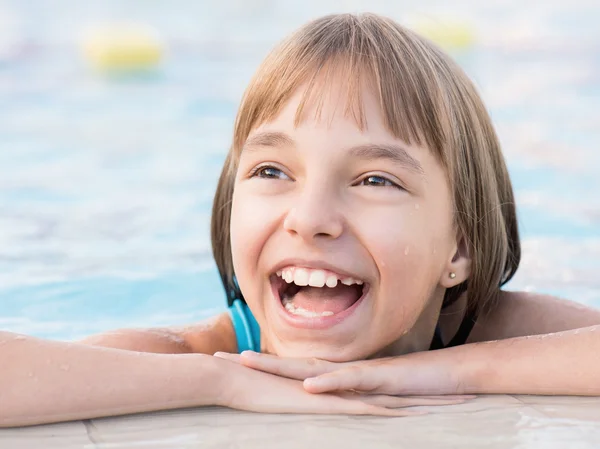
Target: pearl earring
<point x="452" y="275"/>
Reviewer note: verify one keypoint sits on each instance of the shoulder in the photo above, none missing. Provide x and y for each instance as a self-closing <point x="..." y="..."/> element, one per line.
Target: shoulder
<point x="209" y="336"/>
<point x="518" y="314"/>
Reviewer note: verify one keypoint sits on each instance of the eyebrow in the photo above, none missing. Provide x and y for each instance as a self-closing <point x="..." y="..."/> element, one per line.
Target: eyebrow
<point x="392" y="152"/>
<point x="269" y="139"/>
<point x="395" y="153"/>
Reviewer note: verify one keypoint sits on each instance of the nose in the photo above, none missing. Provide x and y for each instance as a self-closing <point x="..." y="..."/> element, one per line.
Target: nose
<point x="314" y="215"/>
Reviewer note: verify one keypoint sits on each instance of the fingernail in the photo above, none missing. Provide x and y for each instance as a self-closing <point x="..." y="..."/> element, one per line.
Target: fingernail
<point x="311" y="382"/>
<point x="248" y="355"/>
<point x="225" y="355"/>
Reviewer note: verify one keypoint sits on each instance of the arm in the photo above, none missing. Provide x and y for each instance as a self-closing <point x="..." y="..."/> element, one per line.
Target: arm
<point x="533" y="344"/>
<point x="47" y="381"/>
<point x="112" y="373"/>
<point x="519" y="314"/>
<point x="562" y="363"/>
<point x="207" y="337"/>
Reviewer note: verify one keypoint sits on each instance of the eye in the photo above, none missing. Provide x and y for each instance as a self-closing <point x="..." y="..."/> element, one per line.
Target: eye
<point x="268" y="172"/>
<point x="378" y="181"/>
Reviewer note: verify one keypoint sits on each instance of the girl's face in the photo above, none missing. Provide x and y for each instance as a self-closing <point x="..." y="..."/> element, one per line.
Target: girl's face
<point x="326" y="204"/>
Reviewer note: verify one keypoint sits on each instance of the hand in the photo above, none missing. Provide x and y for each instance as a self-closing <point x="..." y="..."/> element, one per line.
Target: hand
<point x="424" y="373"/>
<point x="248" y="389"/>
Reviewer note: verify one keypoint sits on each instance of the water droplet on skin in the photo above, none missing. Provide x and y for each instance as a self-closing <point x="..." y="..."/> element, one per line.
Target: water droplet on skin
<point x="406" y="251"/>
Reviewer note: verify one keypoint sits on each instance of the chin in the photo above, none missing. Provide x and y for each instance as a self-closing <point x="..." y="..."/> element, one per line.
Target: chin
<point x="320" y="351"/>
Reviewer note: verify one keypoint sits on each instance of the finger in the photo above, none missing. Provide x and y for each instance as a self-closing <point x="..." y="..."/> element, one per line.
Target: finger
<point x="447" y="396"/>
<point x="286" y="367"/>
<point x="351" y="378"/>
<point x="383" y="400"/>
<point x="392" y="412"/>
<point x="359" y="407"/>
<point x="228" y="356"/>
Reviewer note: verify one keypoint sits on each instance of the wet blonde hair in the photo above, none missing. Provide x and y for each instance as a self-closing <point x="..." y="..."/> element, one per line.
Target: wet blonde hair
<point x="426" y="99"/>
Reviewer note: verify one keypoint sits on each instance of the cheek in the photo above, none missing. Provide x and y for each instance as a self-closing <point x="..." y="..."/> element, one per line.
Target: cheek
<point x="405" y="238"/>
<point x="409" y="249"/>
<point x="249" y="230"/>
<point x="245" y="223"/>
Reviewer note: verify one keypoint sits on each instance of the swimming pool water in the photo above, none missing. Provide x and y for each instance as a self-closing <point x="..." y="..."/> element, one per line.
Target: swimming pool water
<point x="106" y="183"/>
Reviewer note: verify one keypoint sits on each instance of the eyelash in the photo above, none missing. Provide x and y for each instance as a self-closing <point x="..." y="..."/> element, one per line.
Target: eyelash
<point x="256" y="172"/>
<point x="386" y="180"/>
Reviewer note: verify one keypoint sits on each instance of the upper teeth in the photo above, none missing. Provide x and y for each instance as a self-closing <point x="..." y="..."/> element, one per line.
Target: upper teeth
<point x="314" y="278"/>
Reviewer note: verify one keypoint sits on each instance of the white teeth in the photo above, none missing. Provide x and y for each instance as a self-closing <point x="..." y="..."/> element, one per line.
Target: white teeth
<point x="300" y="277"/>
<point x="351" y="281"/>
<point x="314" y="278"/>
<point x="317" y="279"/>
<point x="331" y="280"/>
<point x="299" y="311"/>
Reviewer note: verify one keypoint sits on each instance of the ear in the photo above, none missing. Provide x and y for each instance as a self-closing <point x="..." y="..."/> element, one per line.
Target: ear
<point x="458" y="267"/>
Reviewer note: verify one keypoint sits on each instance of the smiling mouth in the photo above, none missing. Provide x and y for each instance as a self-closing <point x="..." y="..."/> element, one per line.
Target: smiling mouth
<point x="316" y="293"/>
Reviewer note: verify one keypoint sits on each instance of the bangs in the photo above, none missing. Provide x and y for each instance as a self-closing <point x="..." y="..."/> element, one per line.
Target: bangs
<point x="386" y="59"/>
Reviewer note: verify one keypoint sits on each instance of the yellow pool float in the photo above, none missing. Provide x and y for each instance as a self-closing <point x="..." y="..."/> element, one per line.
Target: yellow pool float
<point x="448" y="33"/>
<point x="123" y="47"/>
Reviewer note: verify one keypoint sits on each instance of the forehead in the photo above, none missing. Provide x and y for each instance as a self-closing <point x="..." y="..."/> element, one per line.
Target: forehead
<point x="332" y="107"/>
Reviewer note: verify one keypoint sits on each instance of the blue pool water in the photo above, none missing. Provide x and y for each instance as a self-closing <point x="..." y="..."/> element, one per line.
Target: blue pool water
<point x="106" y="183"/>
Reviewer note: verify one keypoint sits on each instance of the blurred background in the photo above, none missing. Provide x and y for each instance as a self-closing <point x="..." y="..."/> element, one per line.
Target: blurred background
<point x="115" y="118"/>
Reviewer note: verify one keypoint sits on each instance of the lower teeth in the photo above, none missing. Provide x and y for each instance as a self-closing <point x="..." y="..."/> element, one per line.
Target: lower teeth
<point x="290" y="307"/>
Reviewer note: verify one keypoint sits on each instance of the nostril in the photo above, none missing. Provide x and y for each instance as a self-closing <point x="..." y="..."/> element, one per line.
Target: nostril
<point x="314" y="223"/>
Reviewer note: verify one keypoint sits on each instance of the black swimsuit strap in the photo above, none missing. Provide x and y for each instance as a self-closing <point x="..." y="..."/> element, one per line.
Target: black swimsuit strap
<point x="461" y="336"/>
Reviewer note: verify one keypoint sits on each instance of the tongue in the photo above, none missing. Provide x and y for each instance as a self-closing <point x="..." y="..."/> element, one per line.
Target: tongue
<point x="324" y="299"/>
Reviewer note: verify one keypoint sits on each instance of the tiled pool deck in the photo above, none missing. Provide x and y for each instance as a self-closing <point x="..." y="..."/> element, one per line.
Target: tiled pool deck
<point x="491" y="422"/>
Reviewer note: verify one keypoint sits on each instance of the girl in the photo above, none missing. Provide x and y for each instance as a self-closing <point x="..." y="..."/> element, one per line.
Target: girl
<point x="364" y="216"/>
